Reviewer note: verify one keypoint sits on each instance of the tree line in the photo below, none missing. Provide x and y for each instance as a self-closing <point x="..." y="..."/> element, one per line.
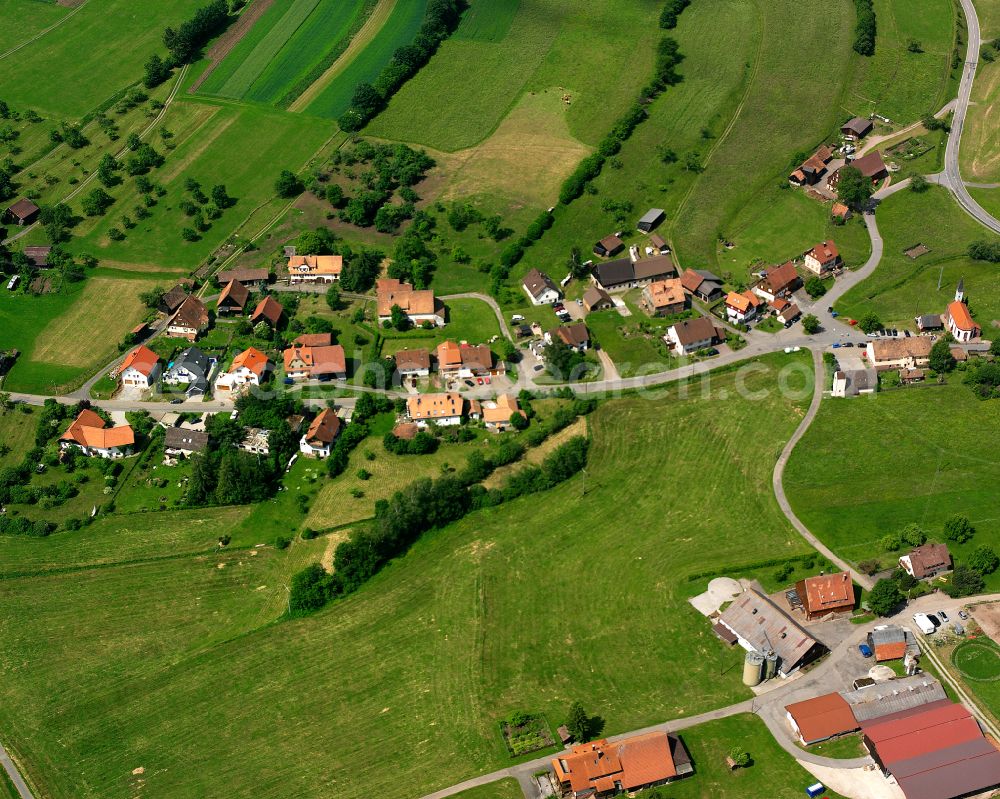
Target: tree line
<point x="865" y="28"/>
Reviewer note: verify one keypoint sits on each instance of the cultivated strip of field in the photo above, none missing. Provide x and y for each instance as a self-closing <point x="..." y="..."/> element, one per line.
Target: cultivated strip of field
<point x="364" y="37"/>
<point x="225" y="44"/>
<point x="399" y="28"/>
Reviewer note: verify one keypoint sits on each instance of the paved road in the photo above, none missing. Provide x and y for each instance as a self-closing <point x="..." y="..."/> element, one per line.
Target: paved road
<point x="15" y="776"/>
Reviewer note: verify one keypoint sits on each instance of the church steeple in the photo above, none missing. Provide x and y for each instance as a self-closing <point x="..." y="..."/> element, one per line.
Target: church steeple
<point x="960" y="291"/>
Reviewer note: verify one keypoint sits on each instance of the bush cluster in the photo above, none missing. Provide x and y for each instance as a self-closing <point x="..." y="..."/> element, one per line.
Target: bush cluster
<point x="865" y="27"/>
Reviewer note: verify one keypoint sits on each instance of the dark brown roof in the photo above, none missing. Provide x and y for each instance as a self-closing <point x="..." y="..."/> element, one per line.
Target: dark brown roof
<point x="182" y="438"/>
<point x="654" y="267"/>
<point x="413" y="360"/>
<point x="929" y="558"/>
<point x="594" y="296"/>
<point x="39" y="256"/>
<point x="172" y="299"/>
<point x="871" y="165"/>
<point x="23" y="209"/>
<point x="572" y="335"/>
<point x="536" y="283"/>
<point x="700" y="329"/>
<point x="192" y="313"/>
<point x="242" y="276"/>
<point x="614" y="273"/>
<point x="858" y="126"/>
<point x="234" y="294"/>
<point x="611" y="244"/>
<point x="268" y="309"/>
<point x="781" y="278"/>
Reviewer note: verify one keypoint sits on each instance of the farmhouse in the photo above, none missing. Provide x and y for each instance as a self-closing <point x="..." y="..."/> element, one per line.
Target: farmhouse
<point x="812" y="169"/>
<point x="853" y="382"/>
<point x="960" y="323"/>
<point x="189" y="320"/>
<point x="140" y="369"/>
<point x="926" y="560"/>
<point x="760" y="626"/>
<point x="38" y="256"/>
<point x="596" y="299"/>
<point x="314" y="268"/>
<point x="599" y="768"/>
<point x="318" y="439"/>
<point x="702" y="284"/>
<point x="624" y="273"/>
<point x="821" y="718"/>
<point x="324" y="362"/>
<point x="742" y="307"/>
<point x="442" y="409"/>
<point x="23" y="212"/>
<point x="171" y="300"/>
<point x="496" y="415"/>
<point x="891" y="642"/>
<point x="268" y="310"/>
<point x="90" y="434"/>
<point x="251" y="278"/>
<point x="419" y="306"/>
<point x="575" y="336"/>
<point x="190" y="368"/>
<point x="822" y="258"/>
<point x="899" y="353"/>
<point x="870" y="166"/>
<point x="413" y="363"/>
<point x="249" y="369"/>
<point x="465" y="360"/>
<point x="650" y="220"/>
<point x="936" y="751"/>
<point x="856" y="129"/>
<point x="826" y="594"/>
<point x="609" y="246"/>
<point x="184" y="441"/>
<point x="233" y="299"/>
<point x="778" y="281"/>
<point x="664" y="298"/>
<point x="540" y="288"/>
<point x="692" y="335"/>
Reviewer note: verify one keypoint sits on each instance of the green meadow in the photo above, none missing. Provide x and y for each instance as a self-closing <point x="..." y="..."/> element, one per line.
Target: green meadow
<point x="20" y="20"/>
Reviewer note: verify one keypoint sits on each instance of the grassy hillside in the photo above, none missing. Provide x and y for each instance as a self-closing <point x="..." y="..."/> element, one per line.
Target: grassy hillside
<point x="980" y="153"/>
<point x="901" y="288"/>
<point x="75" y="67"/>
<point x="504" y="610"/>
<point x="20" y="20"/>
<point x="847" y="488"/>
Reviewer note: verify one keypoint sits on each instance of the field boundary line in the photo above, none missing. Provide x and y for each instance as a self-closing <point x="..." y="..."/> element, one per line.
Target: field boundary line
<point x="40" y="34"/>
<point x="361" y="40"/>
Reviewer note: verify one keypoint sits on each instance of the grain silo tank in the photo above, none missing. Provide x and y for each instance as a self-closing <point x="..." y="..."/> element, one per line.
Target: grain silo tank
<point x="753" y="666"/>
<point x="770" y="665"/>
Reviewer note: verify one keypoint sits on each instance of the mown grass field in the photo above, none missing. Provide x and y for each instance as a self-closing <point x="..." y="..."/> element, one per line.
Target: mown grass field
<point x="22" y="19"/>
<point x="469" y="320"/>
<point x="980" y="153"/>
<point x="476" y="621"/>
<point x="17" y="433"/>
<point x="402" y="25"/>
<point x="897" y="83"/>
<point x="72" y="69"/>
<point x="242" y="148"/>
<point x="504" y="789"/>
<point x="901" y="288"/>
<point x="846" y="489"/>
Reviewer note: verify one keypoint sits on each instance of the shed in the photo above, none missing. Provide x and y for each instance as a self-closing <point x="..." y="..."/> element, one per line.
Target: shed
<point x="856" y="129"/>
<point x="651" y="219"/>
<point x="24" y="211"/>
<point x="608" y="246"/>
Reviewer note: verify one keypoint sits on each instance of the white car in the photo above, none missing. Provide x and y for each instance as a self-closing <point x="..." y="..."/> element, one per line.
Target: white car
<point x="924" y="624"/>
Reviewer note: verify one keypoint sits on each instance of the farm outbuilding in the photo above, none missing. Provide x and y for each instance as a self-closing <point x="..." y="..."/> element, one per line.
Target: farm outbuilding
<point x="651" y="219"/>
<point x="23" y="212"/>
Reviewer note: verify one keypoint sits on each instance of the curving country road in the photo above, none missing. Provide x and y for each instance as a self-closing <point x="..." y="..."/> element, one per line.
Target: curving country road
<point x="15" y="776"/>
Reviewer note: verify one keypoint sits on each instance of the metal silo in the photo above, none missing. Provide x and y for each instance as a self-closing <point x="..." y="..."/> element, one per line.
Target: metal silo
<point x="770" y="665"/>
<point x="752" y="668"/>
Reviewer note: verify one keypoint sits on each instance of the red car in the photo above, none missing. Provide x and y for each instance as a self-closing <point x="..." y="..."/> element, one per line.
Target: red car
<point x="852" y="322"/>
<point x="479" y="380"/>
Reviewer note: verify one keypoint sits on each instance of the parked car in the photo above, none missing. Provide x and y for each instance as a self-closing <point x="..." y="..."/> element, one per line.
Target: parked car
<point x="837" y="345"/>
<point x="176" y="401"/>
<point x="711" y="351"/>
<point x="934" y="620"/>
<point x="470" y="384"/>
<point x="479" y="380"/>
<point x="848" y="343"/>
<point x="963" y="615"/>
<point x="517" y="318"/>
<point x="943" y="616"/>
<point x="865" y="650"/>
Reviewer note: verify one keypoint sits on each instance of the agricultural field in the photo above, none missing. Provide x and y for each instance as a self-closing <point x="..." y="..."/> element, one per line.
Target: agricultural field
<point x="284" y="46"/>
<point x="20" y="20"/>
<point x="439" y="640"/>
<point x="241" y="148"/>
<point x="331" y="95"/>
<point x="900" y="84"/>
<point x="66" y="336"/>
<point x="902" y="288"/>
<point x="68" y="72"/>
<point x="843" y="487"/>
<point x="503" y="789"/>
<point x="980" y="152"/>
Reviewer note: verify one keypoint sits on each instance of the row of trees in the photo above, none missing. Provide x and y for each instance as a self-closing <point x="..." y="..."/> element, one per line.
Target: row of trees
<point x="865" y="28"/>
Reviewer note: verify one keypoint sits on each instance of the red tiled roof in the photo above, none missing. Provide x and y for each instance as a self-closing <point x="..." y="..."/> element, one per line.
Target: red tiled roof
<point x="891" y="651"/>
<point x="959" y="313"/>
<point x="829" y="592"/>
<point x="822" y="717"/>
<point x="324" y="427"/>
<point x="269" y="309"/>
<point x="142" y="359"/>
<point x="253" y="359"/>
<point x="633" y="762"/>
<point x="922" y="733"/>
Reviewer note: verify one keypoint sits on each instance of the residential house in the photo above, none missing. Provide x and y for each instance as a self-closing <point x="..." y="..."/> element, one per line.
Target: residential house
<point x="251" y="278"/>
<point x="936" y="751"/>
<point x="419" y="306"/>
<point x="596" y="299"/>
<point x="826" y="594"/>
<point x="929" y="322"/>
<point x="692" y="335"/>
<point x="960" y="323"/>
<point x="23" y="212"/>
<point x="191" y="368"/>
<point x="171" y="300"/>
<point x="317" y="441"/>
<point x="314" y="268"/>
<point x="92" y="436"/>
<point x="599" y="769"/>
<point x="497" y="414"/>
<point x="926" y="561"/>
<point x="853" y="382"/>
<point x="233" y="299"/>
<point x="38" y="256"/>
<point x="190" y="320"/>
<point x="664" y="298"/>
<point x="870" y="166"/>
<point x="891" y="642"/>
<point x="821" y="718"/>
<point x="840" y="211"/>
<point x="140" y="369"/>
<point x="812" y="169"/>
<point x="442" y="409"/>
<point x="759" y="625"/>
<point x="788" y="312"/>
<point x="576" y="336"/>
<point x="650" y="220"/>
<point x="742" y="307"/>
<point x="856" y="129"/>
<point x="249" y="368"/>
<point x="268" y="310"/>
<point x="256" y="441"/>
<point x="466" y="360"/>
<point x="702" y="284"/>
<point x="540" y="288"/>
<point x="624" y="273"/>
<point x="609" y="246"/>
<point x="413" y="363"/>
<point x="183" y="441"/>
<point x="325" y="362"/>
<point x="778" y="281"/>
<point x="899" y="353"/>
<point x="822" y="259"/>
